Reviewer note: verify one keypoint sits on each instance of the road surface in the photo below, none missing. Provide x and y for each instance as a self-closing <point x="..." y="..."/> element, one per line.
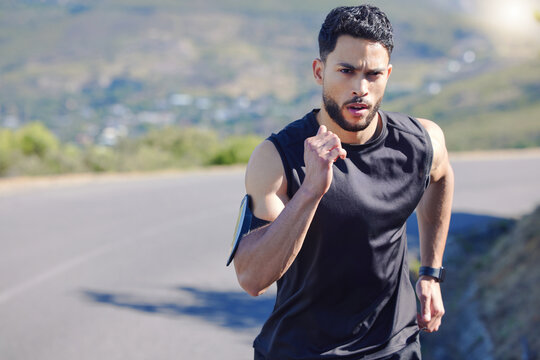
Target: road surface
<point x="135" y="269"/>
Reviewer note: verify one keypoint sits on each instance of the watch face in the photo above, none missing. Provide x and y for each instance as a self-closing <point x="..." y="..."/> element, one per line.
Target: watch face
<point x="442" y="274"/>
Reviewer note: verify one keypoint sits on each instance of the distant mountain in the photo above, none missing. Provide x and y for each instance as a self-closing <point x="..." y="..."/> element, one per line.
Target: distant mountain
<point x="238" y="66"/>
<point x="499" y="108"/>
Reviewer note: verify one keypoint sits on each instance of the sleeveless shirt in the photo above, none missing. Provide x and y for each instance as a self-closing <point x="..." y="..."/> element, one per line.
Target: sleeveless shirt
<point x="347" y="295"/>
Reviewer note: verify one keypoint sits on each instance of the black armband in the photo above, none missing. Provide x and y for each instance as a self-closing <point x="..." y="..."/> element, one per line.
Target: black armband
<point x="246" y="222"/>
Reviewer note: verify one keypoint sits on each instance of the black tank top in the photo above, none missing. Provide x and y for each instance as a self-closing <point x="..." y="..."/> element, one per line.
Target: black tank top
<point x="347" y="294"/>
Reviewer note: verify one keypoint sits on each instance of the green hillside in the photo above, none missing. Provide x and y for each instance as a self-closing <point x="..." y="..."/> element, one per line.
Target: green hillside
<point x="83" y="67"/>
<point x="496" y="109"/>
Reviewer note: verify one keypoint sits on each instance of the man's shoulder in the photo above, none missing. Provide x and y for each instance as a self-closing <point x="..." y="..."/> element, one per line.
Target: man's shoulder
<point x="296" y="131"/>
<point x="406" y="129"/>
<point x="404" y="123"/>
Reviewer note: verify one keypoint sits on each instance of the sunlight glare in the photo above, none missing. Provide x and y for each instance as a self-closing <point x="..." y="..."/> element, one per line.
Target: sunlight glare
<point x="512" y="24"/>
<point x="514" y="15"/>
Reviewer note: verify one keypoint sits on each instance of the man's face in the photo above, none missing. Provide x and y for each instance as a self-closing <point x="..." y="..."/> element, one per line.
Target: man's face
<point x="354" y="78"/>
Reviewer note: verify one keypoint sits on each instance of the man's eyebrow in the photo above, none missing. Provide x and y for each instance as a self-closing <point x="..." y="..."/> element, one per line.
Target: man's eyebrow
<point x="352" y="67"/>
<point x="347" y="65"/>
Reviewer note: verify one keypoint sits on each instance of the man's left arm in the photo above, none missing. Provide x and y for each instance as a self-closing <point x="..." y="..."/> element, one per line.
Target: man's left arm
<point x="433" y="212"/>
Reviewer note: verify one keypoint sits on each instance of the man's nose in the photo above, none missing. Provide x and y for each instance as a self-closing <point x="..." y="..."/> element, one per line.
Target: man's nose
<point x="360" y="87"/>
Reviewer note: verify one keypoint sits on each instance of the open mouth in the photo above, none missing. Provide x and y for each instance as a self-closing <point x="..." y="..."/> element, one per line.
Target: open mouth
<point x="357" y="108"/>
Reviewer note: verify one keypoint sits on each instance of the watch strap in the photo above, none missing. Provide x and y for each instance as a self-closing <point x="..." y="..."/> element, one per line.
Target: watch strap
<point x="437" y="273"/>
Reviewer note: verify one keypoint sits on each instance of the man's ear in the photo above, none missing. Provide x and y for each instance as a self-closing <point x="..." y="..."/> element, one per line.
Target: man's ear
<point x="318" y="70"/>
<point x="389" y="70"/>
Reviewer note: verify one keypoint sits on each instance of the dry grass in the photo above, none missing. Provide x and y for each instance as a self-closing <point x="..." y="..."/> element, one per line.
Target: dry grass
<point x="509" y="291"/>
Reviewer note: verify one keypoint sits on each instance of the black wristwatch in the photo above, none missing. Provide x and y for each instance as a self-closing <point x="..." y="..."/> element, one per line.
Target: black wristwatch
<point x="437" y="273"/>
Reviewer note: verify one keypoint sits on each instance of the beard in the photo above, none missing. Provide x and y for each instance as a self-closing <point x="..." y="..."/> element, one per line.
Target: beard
<point x="335" y="112"/>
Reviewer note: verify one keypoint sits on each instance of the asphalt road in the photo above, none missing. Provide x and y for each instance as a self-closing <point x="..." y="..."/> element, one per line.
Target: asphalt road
<point x="135" y="269"/>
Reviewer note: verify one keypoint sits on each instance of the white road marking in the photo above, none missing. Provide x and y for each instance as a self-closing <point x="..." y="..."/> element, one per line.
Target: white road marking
<point x="24" y="286"/>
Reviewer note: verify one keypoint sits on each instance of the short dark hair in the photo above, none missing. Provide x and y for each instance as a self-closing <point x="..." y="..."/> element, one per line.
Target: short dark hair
<point x="364" y="21"/>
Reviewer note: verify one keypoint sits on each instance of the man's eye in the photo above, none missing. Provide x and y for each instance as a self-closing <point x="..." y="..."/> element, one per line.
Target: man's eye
<point x="374" y="74"/>
<point x="345" y="71"/>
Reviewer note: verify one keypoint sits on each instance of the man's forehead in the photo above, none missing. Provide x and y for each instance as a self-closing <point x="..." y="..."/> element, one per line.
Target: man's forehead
<point x="358" y="51"/>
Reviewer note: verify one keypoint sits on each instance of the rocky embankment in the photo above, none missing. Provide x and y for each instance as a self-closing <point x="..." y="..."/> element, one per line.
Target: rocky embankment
<point x="492" y="295"/>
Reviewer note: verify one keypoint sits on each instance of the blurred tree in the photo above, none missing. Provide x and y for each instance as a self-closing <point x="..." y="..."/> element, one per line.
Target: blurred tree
<point x="35" y="139"/>
<point x="189" y="146"/>
<point x="236" y="150"/>
<point x="146" y="158"/>
<point x="7" y="148"/>
<point x="100" y="159"/>
<point x="68" y="159"/>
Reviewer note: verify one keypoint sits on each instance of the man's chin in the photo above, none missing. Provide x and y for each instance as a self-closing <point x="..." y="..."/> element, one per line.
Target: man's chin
<point x="352" y="126"/>
<point x="354" y="123"/>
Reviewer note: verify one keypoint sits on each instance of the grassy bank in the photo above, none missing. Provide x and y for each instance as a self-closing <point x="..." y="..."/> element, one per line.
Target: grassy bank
<point x="33" y="150"/>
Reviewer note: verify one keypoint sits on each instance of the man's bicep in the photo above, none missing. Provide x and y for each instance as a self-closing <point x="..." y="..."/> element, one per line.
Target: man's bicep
<point x="266" y="182"/>
<point x="440" y="165"/>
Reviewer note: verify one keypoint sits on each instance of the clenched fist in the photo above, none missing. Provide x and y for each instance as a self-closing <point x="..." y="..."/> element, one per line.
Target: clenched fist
<point x="320" y="152"/>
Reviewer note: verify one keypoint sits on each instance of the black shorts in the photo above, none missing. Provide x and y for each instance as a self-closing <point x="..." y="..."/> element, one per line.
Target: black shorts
<point x="409" y="352"/>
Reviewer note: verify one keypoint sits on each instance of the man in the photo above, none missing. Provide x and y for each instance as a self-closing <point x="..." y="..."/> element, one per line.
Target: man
<point x="330" y="195"/>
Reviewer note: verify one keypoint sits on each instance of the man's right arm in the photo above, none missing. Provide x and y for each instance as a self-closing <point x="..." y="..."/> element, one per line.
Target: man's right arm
<point x="265" y="254"/>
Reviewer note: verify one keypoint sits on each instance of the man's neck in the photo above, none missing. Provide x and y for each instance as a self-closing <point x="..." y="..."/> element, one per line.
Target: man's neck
<point x="351" y="137"/>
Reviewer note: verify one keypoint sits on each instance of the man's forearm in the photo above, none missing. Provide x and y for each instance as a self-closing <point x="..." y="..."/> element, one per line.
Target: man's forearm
<point x="434" y="212"/>
<point x="264" y="255"/>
